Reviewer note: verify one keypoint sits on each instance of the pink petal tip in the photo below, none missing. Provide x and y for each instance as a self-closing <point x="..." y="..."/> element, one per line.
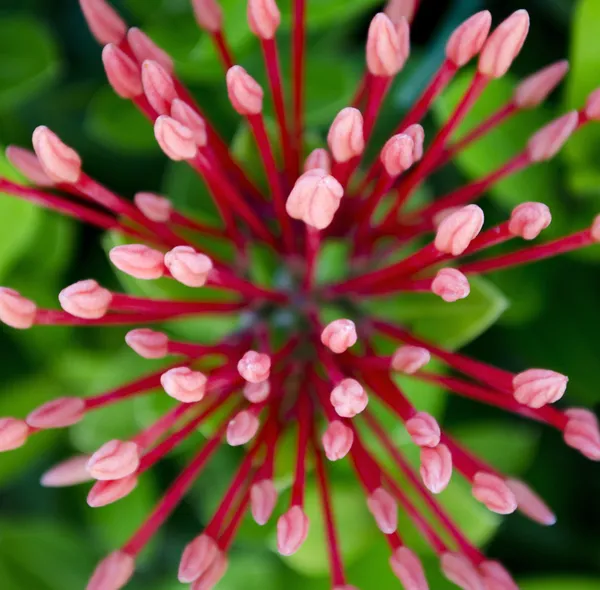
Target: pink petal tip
<point x="122" y="72"/>
<point x="208" y="14"/>
<point x="349" y="398"/>
<point x="384" y="509"/>
<point x="292" y="530"/>
<point x="113" y="572"/>
<point x="263" y="498"/>
<point x="15" y="310"/>
<point x="339" y="335"/>
<point x="190" y="118"/>
<point x="245" y="93"/>
<point x="242" y="428"/>
<point x="337" y="440"/>
<point x="114" y="460"/>
<point x="187" y="266"/>
<point x="256" y="393"/>
<point x="184" y="384"/>
<point x="528" y="220"/>
<point x="60" y="162"/>
<point x="70" y="472"/>
<point x="103" y="21"/>
<point x="27" y="163"/>
<point x="176" y="140"/>
<point x="460" y="571"/>
<point x="104" y="493"/>
<point x="398" y="154"/>
<point x="264" y="18"/>
<point x="159" y="86"/>
<point x="388" y="46"/>
<point x="13" y="434"/>
<point x="496" y="577"/>
<point x="58" y="413"/>
<point x="534" y="89"/>
<point x="154" y="207"/>
<point x="537" y="387"/>
<point x="138" y="261"/>
<point x="254" y="366"/>
<point x="410" y="359"/>
<point x="197" y="558"/>
<point x="491" y="490"/>
<point x="548" y="141"/>
<point x="582" y="432"/>
<point x="424" y="430"/>
<point x="436" y="468"/>
<point x="145" y="49"/>
<point x="451" y="285"/>
<point x="318" y="159"/>
<point x="530" y="504"/>
<point x="467" y="40"/>
<point x="407" y="567"/>
<point x="456" y="232"/>
<point x="346" y="138"/>
<point x="149" y="344"/>
<point x="85" y="299"/>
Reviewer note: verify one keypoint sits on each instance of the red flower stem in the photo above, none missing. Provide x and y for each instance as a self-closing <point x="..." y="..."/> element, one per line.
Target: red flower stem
<point x="55" y="317"/>
<point x="468" y="465"/>
<point x="343" y="171"/>
<point x="362" y="90"/>
<point x="298" y="75"/>
<point x="227" y="280"/>
<point x="313" y="244"/>
<point x="223" y="49"/>
<point x="128" y="303"/>
<point x="228" y="535"/>
<point x="150" y="436"/>
<point x="305" y="426"/>
<point x="377" y="91"/>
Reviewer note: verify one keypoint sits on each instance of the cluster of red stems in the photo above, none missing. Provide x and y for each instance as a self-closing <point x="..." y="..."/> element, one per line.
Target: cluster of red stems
<point x="315" y="380"/>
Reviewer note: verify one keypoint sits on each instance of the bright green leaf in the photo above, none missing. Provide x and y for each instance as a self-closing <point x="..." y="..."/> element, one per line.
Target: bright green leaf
<point x="561" y="583"/>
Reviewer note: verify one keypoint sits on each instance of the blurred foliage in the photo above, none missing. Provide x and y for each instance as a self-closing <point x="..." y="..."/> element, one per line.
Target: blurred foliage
<point x="50" y="73"/>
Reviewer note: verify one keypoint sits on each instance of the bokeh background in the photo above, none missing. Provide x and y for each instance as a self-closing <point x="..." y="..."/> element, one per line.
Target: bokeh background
<point x="546" y="315"/>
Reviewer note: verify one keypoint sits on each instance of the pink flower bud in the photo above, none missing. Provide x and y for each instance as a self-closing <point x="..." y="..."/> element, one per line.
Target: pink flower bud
<point x="528" y="220"/>
<point x="85" y="299"/>
<point x="188" y="266"/>
<point x="154" y="207"/>
<point x="255" y="366"/>
<point x="138" y="261"/>
<point x="208" y="14"/>
<point x="159" y="87"/>
<point x="186" y="115"/>
<point x="408" y="569"/>
<point x="417" y="134"/>
<point x="349" y="398"/>
<point x="384" y="509"/>
<point x="263" y="18"/>
<point x="530" y="504"/>
<point x="424" y="430"/>
<point x="67" y="473"/>
<point x="263" y="498"/>
<point x="184" y="385"/>
<point x="456" y="232"/>
<point x="346" y="135"/>
<point x="256" y="393"/>
<point x="104" y="493"/>
<point x="145" y="49"/>
<point x="495" y="576"/>
<point x="441" y="215"/>
<point x="396" y="10"/>
<point x="212" y="576"/>
<point x="339" y="335"/>
<point x="315" y="199"/>
<point x="397" y="154"/>
<point x="318" y="159"/>
<point x="504" y="44"/>
<point x="114" y="460"/>
<point x="337" y="440"/>
<point x="292" y="530"/>
<point x="122" y="72"/>
<point x="103" y="21"/>
<point x="176" y="140"/>
<point x="58" y="413"/>
<point x="15" y="310"/>
<point x="149" y="344"/>
<point x="537" y="387"/>
<point x="345" y="587"/>
<point x="113" y="572"/>
<point x="492" y="491"/>
<point x="460" y="571"/>
<point x="451" y="285"/>
<point x="245" y="93"/>
<point x="583" y="433"/>
<point x="197" y="557"/>
<point x="13" y="434"/>
<point x="387" y="51"/>
<point x="534" y="90"/>
<point x="60" y="162"/>
<point x="410" y="359"/>
<point x="592" y="105"/>
<point x="27" y="163"/>
<point x="548" y="141"/>
<point x="595" y="229"/>
<point x="467" y="40"/>
<point x="436" y="468"/>
<point x="242" y="429"/>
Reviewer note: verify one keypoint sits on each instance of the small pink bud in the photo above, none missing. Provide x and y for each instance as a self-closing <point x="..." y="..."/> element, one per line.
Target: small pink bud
<point x="530" y="504"/>
<point x="197" y="557"/>
<point x="337" y="440"/>
<point x="493" y="491"/>
<point x="149" y="344"/>
<point x="318" y="159"/>
<point x="27" y="163"/>
<point x="85" y="299"/>
<point x="534" y="90"/>
<point x="154" y="207"/>
<point x="138" y="261"/>
<point x="339" y="335"/>
<point x="583" y="433"/>
<point x="67" y="473"/>
<point x="410" y="359"/>
<point x="396" y="10"/>
<point x="548" y="141"/>
<point x="103" y="21"/>
<point x="398" y="154"/>
<point x="176" y="140"/>
<point x="186" y="115"/>
<point x="349" y="398"/>
<point x="537" y="387"/>
<point x="159" y="87"/>
<point x="408" y="568"/>
<point x="255" y="366"/>
<point x="315" y="199"/>
<point x="212" y="576"/>
<point x="384" y="509"/>
<point x="263" y="18"/>
<point x="592" y="105"/>
<point x="256" y="393"/>
<point x="595" y="229"/>
<point x="436" y="468"/>
<point x="145" y="49"/>
<point x="345" y="587"/>
<point x="13" y="434"/>
<point x="424" y="430"/>
<point x="417" y="134"/>
<point x="528" y="220"/>
<point x="188" y="266"/>
<point x="184" y="385"/>
<point x="245" y="93"/>
<point x="441" y="215"/>
<point x="460" y="571"/>
<point x="60" y="162"/>
<point x="451" y="285"/>
<point x="504" y="44"/>
<point x="122" y="72"/>
<point x="113" y="572"/>
<point x="108" y="492"/>
<point x="242" y="429"/>
<point x="114" y="460"/>
<point x="58" y="413"/>
<point x="346" y="135"/>
<point x="387" y="50"/>
<point x="467" y="40"/>
<point x="263" y="498"/>
<point x="496" y="577"/>
<point x="208" y="14"/>
<point x="292" y="530"/>
<point x="456" y="232"/>
<point x="15" y="310"/>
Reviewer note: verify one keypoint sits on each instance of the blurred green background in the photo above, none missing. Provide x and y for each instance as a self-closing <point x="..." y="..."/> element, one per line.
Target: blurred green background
<point x="545" y="315"/>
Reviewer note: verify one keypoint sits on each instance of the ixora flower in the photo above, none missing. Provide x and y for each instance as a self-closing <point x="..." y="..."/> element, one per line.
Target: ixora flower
<point x="320" y="377"/>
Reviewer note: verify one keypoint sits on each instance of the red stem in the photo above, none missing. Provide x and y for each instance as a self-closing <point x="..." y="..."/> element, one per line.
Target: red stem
<point x="223" y="49"/>
<point x="298" y="74"/>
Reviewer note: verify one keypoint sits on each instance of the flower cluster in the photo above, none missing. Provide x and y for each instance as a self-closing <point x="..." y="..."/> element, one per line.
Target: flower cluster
<point x="320" y="378"/>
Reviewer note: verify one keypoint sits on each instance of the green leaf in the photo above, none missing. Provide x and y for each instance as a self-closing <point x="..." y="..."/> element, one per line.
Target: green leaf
<point x="321" y="13"/>
<point x="561" y="583"/>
